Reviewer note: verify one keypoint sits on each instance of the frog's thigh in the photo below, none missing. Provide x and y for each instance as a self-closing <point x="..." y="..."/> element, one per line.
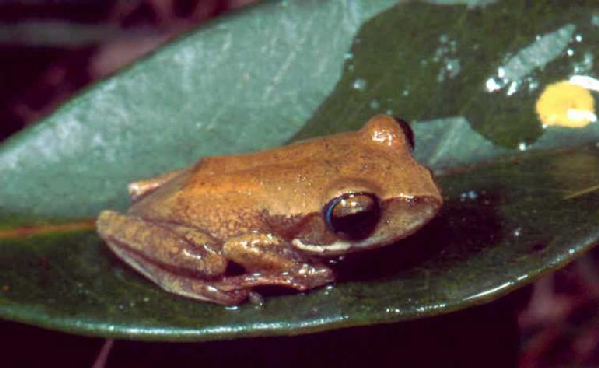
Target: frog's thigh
<point x="182" y="285"/>
<point x="185" y="249"/>
<point x="134" y="241"/>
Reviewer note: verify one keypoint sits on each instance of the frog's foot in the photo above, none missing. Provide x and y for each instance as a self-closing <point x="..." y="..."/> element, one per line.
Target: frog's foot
<point x="301" y="278"/>
<point x="180" y="284"/>
<point x="269" y="262"/>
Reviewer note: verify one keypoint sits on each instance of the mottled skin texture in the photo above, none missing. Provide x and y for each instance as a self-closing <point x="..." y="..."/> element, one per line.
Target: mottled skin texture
<point x="264" y="212"/>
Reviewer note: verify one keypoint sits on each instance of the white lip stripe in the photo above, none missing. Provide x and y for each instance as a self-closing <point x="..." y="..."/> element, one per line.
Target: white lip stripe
<point x="333" y="247"/>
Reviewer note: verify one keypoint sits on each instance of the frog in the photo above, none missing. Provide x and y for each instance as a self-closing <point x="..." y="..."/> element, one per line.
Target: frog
<point x="220" y="229"/>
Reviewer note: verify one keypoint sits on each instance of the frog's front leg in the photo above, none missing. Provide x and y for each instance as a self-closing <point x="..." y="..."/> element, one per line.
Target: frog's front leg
<point x="269" y="262"/>
<point x="180" y="259"/>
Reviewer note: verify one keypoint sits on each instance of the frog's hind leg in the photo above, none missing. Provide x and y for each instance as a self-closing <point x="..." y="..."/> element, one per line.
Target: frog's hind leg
<point x="180" y="259"/>
<point x="181" y="285"/>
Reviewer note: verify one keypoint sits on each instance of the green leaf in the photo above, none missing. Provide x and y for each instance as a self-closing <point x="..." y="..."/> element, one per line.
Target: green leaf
<point x="298" y="69"/>
<point x="488" y="65"/>
<point x="242" y="83"/>
<point x="503" y="225"/>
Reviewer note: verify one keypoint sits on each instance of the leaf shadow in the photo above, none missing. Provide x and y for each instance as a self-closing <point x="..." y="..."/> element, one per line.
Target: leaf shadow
<point x="462" y="228"/>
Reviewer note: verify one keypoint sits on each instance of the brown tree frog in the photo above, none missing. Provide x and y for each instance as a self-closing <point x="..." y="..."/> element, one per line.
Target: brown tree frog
<point x="278" y="213"/>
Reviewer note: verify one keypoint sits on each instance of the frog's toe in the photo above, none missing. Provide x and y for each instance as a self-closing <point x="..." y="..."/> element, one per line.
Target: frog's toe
<point x="199" y="290"/>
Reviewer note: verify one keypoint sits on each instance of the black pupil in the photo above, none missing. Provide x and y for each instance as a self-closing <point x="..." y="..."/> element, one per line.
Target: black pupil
<point x="407" y="130"/>
<point x="353" y="215"/>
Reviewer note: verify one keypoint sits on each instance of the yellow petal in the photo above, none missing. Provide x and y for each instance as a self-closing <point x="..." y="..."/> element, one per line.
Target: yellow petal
<point x="566" y="104"/>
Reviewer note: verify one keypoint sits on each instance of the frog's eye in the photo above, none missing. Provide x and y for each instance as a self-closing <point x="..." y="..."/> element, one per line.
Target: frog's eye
<point x="353" y="215"/>
<point x="407" y="131"/>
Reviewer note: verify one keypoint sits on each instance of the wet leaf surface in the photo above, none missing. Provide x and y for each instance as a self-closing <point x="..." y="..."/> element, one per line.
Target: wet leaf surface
<point x="504" y="223"/>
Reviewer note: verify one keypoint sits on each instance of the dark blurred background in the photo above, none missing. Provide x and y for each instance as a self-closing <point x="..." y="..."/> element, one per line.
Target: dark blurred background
<point x="49" y="50"/>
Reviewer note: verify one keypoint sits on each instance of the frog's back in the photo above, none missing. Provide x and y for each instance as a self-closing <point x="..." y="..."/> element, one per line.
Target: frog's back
<point x="231" y="194"/>
<point x="219" y="205"/>
<point x="228" y="193"/>
<point x="291" y="154"/>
